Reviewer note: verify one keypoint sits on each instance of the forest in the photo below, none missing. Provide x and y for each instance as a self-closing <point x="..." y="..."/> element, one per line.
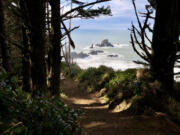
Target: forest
<point x="42" y="92"/>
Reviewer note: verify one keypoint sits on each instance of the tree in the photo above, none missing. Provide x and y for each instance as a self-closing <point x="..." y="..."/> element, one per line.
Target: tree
<point x="26" y="64"/>
<point x="36" y="12"/>
<point x="139" y="36"/>
<point x="3" y="39"/>
<point x="161" y="54"/>
<point x="56" y="43"/>
<point x="29" y="17"/>
<point x="164" y="43"/>
<point x="57" y="20"/>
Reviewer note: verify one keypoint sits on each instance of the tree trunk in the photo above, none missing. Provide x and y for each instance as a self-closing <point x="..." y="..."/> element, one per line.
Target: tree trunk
<point x="3" y="40"/>
<point x="37" y="39"/>
<point x="164" y="44"/>
<point x="56" y="43"/>
<point x="26" y="67"/>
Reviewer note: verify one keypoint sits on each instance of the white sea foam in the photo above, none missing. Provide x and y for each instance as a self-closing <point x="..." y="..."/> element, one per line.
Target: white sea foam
<point x="177" y="77"/>
<point x="121" y="45"/>
<point x="121" y="62"/>
<point x="116" y="65"/>
<point x="115" y="46"/>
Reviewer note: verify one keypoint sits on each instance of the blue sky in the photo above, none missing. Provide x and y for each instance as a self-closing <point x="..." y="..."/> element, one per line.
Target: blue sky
<point x="114" y="28"/>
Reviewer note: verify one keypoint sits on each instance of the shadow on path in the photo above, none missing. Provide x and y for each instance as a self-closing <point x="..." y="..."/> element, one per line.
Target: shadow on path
<point x="98" y="120"/>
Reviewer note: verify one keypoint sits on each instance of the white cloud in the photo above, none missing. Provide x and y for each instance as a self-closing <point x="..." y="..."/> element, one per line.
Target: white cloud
<point x="123" y="14"/>
<point x="124" y="7"/>
<point x="120" y="8"/>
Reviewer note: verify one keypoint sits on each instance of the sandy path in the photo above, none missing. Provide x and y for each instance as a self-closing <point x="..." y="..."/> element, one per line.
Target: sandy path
<point x="98" y="120"/>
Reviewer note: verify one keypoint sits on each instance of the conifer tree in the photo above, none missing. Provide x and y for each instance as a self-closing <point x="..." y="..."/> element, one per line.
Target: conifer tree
<point x="164" y="43"/>
<point x="36" y="12"/>
<point x="3" y="39"/>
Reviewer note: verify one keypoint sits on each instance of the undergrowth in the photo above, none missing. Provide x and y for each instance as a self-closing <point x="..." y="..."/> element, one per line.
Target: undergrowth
<point x="139" y="90"/>
<point x="21" y="114"/>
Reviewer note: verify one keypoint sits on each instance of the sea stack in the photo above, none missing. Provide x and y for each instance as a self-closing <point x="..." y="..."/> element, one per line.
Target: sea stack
<point x="105" y="43"/>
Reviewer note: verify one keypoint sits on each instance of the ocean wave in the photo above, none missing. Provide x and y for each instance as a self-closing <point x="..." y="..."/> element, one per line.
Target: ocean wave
<point x="116" y="64"/>
<point x="121" y="45"/>
<point x="98" y="47"/>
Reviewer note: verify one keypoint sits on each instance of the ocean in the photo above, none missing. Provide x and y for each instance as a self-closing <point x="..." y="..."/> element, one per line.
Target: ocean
<point x="119" y="57"/>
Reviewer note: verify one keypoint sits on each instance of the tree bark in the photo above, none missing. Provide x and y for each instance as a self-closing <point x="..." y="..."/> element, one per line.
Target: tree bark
<point x="37" y="39"/>
<point x="164" y="43"/>
<point x="26" y="66"/>
<point x="56" y="43"/>
<point x="3" y="40"/>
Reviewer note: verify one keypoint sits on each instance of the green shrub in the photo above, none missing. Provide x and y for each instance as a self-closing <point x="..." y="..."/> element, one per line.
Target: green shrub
<point x="125" y="86"/>
<point x="137" y="105"/>
<point x="20" y="114"/>
<point x="70" y="71"/>
<point x="123" y="81"/>
<point x="95" y="78"/>
<point x="172" y="107"/>
<point x="75" y="70"/>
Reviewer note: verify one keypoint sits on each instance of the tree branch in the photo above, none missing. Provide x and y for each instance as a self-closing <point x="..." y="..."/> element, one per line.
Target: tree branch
<point x="83" y="6"/>
<point x="68" y="35"/>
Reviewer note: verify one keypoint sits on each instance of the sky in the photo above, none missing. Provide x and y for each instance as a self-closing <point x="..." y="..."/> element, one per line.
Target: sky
<point x="114" y="28"/>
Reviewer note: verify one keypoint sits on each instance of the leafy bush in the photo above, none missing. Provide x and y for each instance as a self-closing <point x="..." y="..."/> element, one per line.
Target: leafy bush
<point x="70" y="71"/>
<point x="95" y="78"/>
<point x="88" y="74"/>
<point x="123" y="81"/>
<point x="172" y="107"/>
<point x="22" y="114"/>
<point x="75" y="70"/>
<point x="126" y="86"/>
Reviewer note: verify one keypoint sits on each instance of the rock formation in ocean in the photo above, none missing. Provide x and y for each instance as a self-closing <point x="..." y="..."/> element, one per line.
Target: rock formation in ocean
<point x="95" y="52"/>
<point x="92" y="46"/>
<point x="105" y="43"/>
<point x="113" y="55"/>
<point x="79" y="55"/>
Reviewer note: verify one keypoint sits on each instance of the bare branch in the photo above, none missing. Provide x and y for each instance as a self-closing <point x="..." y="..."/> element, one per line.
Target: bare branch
<point x="142" y="63"/>
<point x="135" y="9"/>
<point x="68" y="35"/>
<point x="69" y="31"/>
<point x="138" y="53"/>
<point x="135" y="33"/>
<point x="148" y="40"/>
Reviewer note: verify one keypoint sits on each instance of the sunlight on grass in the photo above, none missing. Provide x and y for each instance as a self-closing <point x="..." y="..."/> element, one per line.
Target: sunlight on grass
<point x="63" y="95"/>
<point x="105" y="99"/>
<point x="124" y="105"/>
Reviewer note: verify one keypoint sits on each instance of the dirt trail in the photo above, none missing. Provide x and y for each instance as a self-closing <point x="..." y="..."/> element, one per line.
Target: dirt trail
<point x="98" y="120"/>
